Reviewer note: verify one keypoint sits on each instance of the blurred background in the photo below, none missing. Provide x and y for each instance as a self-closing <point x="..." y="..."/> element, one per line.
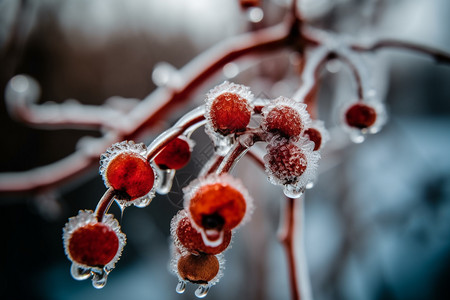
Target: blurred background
<point x="377" y="223"/>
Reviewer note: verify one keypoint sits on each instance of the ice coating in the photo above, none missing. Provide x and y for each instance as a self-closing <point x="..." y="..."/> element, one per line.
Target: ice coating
<point x="228" y="108"/>
<point x="86" y="218"/>
<point x="286" y="117"/>
<point x="282" y="160"/>
<point x="137" y="151"/>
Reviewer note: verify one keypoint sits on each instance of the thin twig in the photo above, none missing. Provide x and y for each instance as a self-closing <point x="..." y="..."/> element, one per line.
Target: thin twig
<point x="438" y="55"/>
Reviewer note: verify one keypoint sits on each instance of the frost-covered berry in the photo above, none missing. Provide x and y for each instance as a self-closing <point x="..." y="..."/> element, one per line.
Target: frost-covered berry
<point x="198" y="268"/>
<point x="360" y="115"/>
<point x="125" y="169"/>
<point x="317" y="134"/>
<point x="291" y="162"/>
<point x="216" y="204"/>
<point x="91" y="244"/>
<point x="175" y="155"/>
<point x="228" y="108"/>
<point x="285" y="117"/>
<point x="185" y="235"/>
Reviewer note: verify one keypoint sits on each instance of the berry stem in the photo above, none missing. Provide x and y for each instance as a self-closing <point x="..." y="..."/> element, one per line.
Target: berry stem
<point x="239" y="150"/>
<point x="291" y="230"/>
<point x="104" y="204"/>
<point x="312" y="63"/>
<point x="356" y="74"/>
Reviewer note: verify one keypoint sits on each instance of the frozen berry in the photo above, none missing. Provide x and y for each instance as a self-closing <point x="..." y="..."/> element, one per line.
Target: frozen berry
<point x="191" y="239"/>
<point x="228" y="108"/>
<point x="287" y="161"/>
<point x="199" y="269"/>
<point x="360" y="115"/>
<point x="286" y="117"/>
<point x="175" y="155"/>
<point x="291" y="162"/>
<point x="131" y="175"/>
<point x="314" y="136"/>
<point x="94" y="244"/>
<point x="125" y="169"/>
<point x="217" y="202"/>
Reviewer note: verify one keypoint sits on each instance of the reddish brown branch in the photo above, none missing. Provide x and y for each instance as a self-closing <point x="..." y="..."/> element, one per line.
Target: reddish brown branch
<point x="438" y="55"/>
<point x="156" y="106"/>
<point x="286" y="238"/>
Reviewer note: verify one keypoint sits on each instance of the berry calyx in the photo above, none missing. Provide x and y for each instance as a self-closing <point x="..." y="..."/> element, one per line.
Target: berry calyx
<point x="175" y="155"/>
<point x="285" y="117"/>
<point x="199" y="269"/>
<point x="217" y="203"/>
<point x="92" y="244"/>
<point x="360" y="115"/>
<point x="188" y="237"/>
<point x="228" y="108"/>
<point x="125" y="169"/>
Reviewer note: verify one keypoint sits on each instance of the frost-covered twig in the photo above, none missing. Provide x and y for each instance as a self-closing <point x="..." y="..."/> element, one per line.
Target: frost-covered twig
<point x="439" y="55"/>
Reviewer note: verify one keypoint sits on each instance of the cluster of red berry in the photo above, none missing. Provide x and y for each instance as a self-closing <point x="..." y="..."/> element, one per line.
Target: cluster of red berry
<point x="215" y="204"/>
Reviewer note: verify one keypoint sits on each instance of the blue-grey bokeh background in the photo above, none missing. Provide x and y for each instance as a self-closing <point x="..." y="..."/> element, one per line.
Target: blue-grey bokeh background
<point x="377" y="223"/>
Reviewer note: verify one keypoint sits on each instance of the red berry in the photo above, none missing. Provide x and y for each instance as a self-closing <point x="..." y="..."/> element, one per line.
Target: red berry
<point x="360" y="115"/>
<point x="93" y="245"/>
<point x="217" y="206"/>
<point x="229" y="113"/>
<point x="285" y="117"/>
<point x="199" y="269"/>
<point x="286" y="162"/>
<point x="175" y="155"/>
<point x="315" y="136"/>
<point x="130" y="174"/>
<point x="285" y="121"/>
<point x="192" y="240"/>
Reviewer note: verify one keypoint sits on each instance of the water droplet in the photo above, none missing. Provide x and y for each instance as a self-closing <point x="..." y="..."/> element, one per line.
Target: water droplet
<point x="166" y="181"/>
<point x="144" y="202"/>
<point x="202" y="291"/>
<point x="357" y="136"/>
<point x="222" y="144"/>
<point x="212" y="237"/>
<point x="181" y="286"/>
<point x="334" y="65"/>
<point x="293" y="191"/>
<point x="99" y="279"/>
<point x="255" y="14"/>
<point x="163" y="73"/>
<point x="230" y="70"/>
<point x="310" y="185"/>
<point x="78" y="272"/>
